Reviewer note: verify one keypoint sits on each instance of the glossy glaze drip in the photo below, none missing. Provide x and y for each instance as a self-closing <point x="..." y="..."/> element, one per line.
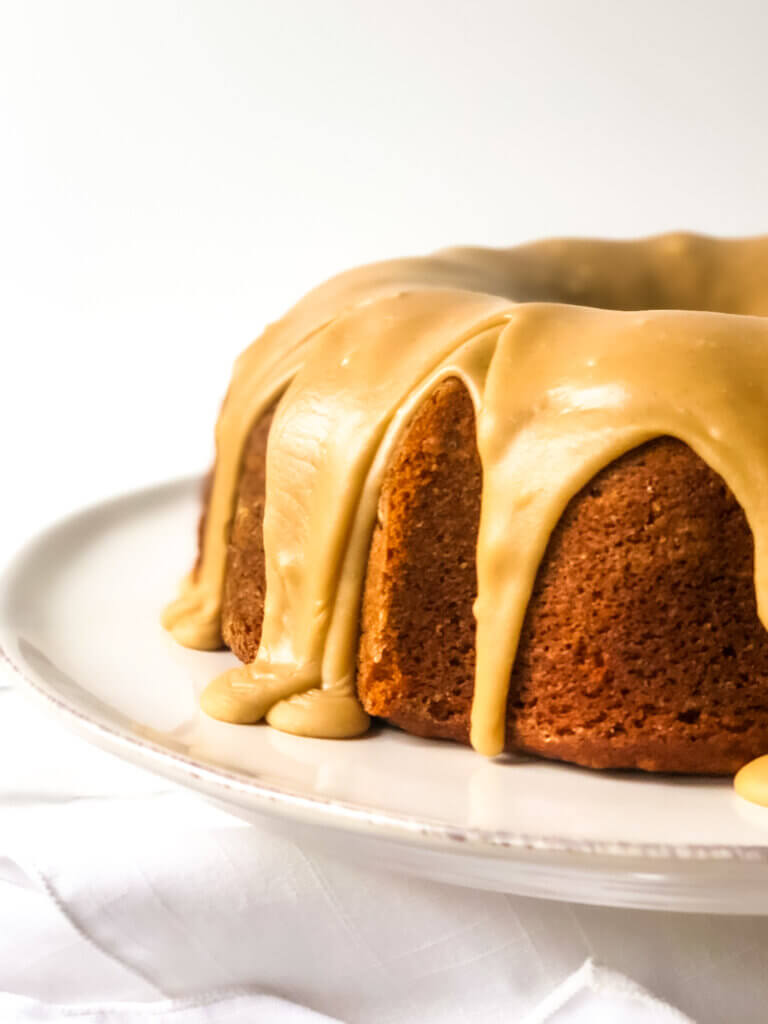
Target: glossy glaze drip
<point x="559" y="391"/>
<point x="324" y="440"/>
<point x="751" y="781"/>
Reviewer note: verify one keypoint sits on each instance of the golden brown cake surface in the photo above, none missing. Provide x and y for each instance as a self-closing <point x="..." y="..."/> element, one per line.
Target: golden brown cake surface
<point x="244" y="583"/>
<point x="641" y="646"/>
<point x="550" y="570"/>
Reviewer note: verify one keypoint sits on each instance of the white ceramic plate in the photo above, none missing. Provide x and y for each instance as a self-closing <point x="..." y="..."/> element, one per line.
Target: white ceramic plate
<point x="79" y="615"/>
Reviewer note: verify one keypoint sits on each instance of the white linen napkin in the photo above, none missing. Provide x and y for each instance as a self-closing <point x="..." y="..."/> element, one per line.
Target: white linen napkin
<point x="597" y="995"/>
<point x="123" y="897"/>
<point x="593" y="995"/>
<point x="233" y="1008"/>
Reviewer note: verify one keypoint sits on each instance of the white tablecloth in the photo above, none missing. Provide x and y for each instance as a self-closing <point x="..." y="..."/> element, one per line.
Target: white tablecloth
<point x="123" y="897"/>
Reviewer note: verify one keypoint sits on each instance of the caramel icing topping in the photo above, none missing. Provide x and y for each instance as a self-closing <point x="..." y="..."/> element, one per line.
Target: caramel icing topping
<point x="751" y="781"/>
<point x="560" y="391"/>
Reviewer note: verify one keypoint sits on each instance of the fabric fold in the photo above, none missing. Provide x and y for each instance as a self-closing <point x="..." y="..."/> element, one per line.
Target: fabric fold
<point x="154" y="894"/>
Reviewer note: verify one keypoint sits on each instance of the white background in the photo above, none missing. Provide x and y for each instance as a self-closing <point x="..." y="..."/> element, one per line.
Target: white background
<point x="174" y="174"/>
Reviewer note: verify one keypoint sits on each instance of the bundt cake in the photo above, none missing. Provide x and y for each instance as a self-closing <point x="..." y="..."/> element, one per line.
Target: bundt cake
<point x="516" y="498"/>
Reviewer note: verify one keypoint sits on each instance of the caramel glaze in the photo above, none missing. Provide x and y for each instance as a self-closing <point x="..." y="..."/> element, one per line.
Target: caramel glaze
<point x="560" y="391"/>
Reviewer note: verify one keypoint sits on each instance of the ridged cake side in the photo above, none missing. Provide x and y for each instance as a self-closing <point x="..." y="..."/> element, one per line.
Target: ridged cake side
<point x="641" y="646"/>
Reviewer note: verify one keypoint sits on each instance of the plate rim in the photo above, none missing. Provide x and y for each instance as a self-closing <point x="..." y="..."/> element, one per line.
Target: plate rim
<point x="227" y="784"/>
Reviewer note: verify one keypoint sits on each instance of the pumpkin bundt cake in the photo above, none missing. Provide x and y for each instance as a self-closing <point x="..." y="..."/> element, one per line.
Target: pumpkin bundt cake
<point x="513" y="498"/>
